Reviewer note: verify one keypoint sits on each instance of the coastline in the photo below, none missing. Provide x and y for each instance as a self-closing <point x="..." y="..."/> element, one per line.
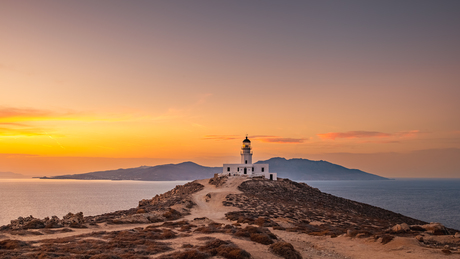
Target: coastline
<point x="206" y="211"/>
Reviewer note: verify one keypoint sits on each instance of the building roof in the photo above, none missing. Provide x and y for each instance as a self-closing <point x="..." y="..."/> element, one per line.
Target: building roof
<point x="247" y="140"/>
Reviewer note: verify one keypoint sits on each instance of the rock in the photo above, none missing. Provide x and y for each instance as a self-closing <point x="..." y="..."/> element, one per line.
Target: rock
<point x="74" y="220"/>
<point x="26" y="223"/>
<point x="457" y="235"/>
<point x="400" y="228"/>
<point x="207" y="197"/>
<point x="386" y="239"/>
<point x="34" y="224"/>
<point x="446" y="251"/>
<point x="362" y="235"/>
<point x="435" y="228"/>
<point x="351" y="233"/>
<point x="419" y="238"/>
<point x="137" y="218"/>
<point x="416" y="228"/>
<point x="54" y="222"/>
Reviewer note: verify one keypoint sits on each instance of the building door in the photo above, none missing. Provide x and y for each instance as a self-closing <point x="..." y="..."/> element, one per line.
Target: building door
<point x="245" y="170"/>
<point x="271" y="177"/>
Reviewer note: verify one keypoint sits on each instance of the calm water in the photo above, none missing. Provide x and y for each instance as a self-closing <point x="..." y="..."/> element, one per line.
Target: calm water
<point x="42" y="198"/>
<point x="428" y="200"/>
<point x="431" y="200"/>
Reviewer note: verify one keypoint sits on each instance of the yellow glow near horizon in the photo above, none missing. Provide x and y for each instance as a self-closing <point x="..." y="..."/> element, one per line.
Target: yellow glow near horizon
<point x="160" y="80"/>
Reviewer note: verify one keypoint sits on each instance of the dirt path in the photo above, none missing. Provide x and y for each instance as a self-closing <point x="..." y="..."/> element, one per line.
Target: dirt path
<point x="209" y="200"/>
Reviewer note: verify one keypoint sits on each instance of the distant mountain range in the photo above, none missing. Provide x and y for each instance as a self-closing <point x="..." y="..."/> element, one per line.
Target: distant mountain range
<point x="303" y="169"/>
<point x="295" y="169"/>
<point x="10" y="175"/>
<point x="170" y="172"/>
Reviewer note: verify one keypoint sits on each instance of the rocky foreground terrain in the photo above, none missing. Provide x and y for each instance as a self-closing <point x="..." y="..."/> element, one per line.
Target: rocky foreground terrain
<point x="233" y="217"/>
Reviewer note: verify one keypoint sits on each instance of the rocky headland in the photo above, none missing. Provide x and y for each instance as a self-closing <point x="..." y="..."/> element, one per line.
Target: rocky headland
<point x="232" y="217"/>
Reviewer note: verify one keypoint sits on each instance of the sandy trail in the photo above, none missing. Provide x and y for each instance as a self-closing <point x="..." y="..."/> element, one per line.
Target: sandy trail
<point x="212" y="207"/>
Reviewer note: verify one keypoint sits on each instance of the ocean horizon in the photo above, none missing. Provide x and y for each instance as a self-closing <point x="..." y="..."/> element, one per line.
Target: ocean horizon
<point x="427" y="199"/>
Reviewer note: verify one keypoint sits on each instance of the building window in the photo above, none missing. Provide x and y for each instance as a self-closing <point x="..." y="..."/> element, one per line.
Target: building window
<point x="263" y="169"/>
<point x="253" y="169"/>
<point x="245" y="161"/>
<point x="228" y="169"/>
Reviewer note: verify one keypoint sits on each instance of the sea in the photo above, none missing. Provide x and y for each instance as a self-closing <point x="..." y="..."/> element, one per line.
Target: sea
<point x="431" y="200"/>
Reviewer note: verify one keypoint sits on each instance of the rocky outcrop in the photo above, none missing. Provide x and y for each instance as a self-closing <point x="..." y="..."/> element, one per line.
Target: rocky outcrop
<point x="400" y="228"/>
<point x="299" y="204"/>
<point x="435" y="229"/>
<point x="69" y="220"/>
<point x="181" y="194"/>
<point x="74" y="220"/>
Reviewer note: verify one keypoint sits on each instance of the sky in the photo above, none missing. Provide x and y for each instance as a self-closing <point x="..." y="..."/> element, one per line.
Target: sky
<point x="97" y="85"/>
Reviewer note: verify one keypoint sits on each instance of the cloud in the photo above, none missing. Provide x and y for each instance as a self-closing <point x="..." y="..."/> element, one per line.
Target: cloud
<point x="353" y="134"/>
<point x="261" y="138"/>
<point x="367" y="134"/>
<point x="12" y="132"/>
<point x="23" y="122"/>
<point x="222" y="137"/>
<point x="282" y="140"/>
<point x="10" y="112"/>
<point x="407" y="134"/>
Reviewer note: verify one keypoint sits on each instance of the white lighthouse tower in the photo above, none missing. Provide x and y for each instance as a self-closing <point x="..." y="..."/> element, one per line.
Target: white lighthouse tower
<point x="246" y="153"/>
<point x="247" y="168"/>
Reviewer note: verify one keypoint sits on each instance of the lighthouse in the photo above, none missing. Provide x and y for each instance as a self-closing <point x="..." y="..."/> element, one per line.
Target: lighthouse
<point x="246" y="153"/>
<point x="246" y="167"/>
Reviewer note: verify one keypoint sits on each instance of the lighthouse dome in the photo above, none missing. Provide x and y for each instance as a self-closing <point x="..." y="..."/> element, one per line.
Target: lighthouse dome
<point x="246" y="140"/>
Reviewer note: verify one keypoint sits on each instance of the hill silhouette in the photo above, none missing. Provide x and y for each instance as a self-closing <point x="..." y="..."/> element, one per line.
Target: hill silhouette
<point x="11" y="175"/>
<point x="304" y="169"/>
<point x="168" y="172"/>
<point x="296" y="169"/>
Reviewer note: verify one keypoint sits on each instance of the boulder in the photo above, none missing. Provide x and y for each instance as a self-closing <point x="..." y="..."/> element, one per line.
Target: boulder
<point x="74" y="220"/>
<point x="435" y="228"/>
<point x="26" y="223"/>
<point x="400" y="228"/>
<point x="416" y="228"/>
<point x="457" y="235"/>
<point x="419" y="238"/>
<point x="54" y="222"/>
<point x="33" y="224"/>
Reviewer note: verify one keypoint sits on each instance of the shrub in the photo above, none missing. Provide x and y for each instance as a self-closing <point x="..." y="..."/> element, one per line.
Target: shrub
<point x="285" y="250"/>
<point x="12" y="244"/>
<point x="263" y="239"/>
<point x="188" y="254"/>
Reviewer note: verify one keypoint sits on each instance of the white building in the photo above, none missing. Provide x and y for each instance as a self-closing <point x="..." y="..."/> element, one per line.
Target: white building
<point x="247" y="168"/>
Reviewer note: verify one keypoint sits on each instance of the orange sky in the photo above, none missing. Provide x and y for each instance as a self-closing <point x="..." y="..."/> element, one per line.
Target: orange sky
<point x="92" y="86"/>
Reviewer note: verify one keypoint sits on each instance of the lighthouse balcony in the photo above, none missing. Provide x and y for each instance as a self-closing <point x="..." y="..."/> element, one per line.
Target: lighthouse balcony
<point x="246" y="152"/>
